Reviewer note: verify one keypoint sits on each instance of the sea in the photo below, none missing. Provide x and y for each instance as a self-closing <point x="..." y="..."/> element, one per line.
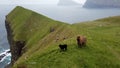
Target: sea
<point x="67" y="14"/>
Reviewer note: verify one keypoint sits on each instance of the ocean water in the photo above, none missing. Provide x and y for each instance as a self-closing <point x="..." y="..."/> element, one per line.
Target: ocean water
<point x="68" y="14"/>
<point x="4" y="46"/>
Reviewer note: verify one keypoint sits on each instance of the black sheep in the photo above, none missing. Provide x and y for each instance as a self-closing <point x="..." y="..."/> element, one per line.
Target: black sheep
<point x="63" y="47"/>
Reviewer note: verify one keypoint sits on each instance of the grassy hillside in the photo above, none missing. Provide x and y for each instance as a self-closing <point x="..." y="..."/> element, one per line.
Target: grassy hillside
<point x="42" y="51"/>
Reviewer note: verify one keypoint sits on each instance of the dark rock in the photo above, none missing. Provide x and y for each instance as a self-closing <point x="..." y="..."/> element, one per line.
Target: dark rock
<point x="1" y="56"/>
<point x="52" y="29"/>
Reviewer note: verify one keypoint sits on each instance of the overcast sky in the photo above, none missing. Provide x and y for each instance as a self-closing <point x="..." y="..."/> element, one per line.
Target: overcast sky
<point x="34" y="1"/>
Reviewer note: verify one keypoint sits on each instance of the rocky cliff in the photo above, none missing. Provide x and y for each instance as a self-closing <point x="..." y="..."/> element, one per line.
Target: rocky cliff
<point x="15" y="46"/>
<point x="102" y="4"/>
<point x="25" y="28"/>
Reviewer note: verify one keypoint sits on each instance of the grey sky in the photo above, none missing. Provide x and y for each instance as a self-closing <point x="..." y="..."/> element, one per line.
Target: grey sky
<point x="34" y="1"/>
<point x="28" y="1"/>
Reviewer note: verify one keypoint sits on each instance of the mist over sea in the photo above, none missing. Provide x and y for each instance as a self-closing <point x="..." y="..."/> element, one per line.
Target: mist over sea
<point x="68" y="14"/>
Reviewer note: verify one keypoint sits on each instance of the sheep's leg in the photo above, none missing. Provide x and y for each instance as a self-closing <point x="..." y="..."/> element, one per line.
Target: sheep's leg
<point x="84" y="44"/>
<point x="65" y="48"/>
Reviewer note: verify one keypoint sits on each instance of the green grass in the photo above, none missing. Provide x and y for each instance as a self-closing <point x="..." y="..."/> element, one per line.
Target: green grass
<point x="42" y="51"/>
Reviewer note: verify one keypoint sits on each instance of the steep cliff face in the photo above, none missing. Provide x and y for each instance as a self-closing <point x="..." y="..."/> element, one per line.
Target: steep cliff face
<point x="15" y="46"/>
<point x="26" y="28"/>
<point x="102" y="4"/>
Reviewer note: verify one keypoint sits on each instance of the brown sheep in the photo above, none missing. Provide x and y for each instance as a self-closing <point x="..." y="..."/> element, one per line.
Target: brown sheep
<point x="81" y="41"/>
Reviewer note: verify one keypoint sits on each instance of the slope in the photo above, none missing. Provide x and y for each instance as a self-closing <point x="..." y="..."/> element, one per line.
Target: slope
<point x="42" y="51"/>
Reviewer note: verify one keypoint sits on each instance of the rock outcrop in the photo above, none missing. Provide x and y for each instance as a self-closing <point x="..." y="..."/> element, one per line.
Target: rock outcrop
<point x="102" y="4"/>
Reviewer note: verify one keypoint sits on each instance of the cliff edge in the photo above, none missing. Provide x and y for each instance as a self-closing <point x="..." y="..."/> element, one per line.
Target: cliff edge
<point x="26" y="28"/>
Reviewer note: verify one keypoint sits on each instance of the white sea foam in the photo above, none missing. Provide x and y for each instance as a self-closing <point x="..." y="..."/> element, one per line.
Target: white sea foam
<point x="6" y="55"/>
<point x="5" y="51"/>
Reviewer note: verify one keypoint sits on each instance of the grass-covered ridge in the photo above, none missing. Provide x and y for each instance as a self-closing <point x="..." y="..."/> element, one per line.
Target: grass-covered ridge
<point x="42" y="51"/>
